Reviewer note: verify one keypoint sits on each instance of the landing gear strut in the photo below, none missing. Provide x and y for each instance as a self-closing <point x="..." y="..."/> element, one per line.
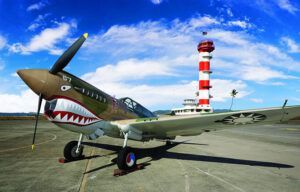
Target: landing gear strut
<point x="169" y="143"/>
<point x="73" y="150"/>
<point x="126" y="158"/>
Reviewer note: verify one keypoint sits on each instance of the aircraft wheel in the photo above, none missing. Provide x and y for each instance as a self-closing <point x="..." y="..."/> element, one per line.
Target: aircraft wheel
<point x="70" y="151"/>
<point x="126" y="159"/>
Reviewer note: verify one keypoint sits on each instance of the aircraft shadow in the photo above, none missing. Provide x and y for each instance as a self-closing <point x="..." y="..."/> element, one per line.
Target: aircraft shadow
<point x="160" y="152"/>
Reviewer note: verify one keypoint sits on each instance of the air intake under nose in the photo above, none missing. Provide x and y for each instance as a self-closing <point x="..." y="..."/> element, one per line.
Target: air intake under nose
<point x="50" y="106"/>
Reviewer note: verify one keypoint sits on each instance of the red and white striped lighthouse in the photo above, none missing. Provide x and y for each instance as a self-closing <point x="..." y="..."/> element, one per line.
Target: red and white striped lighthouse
<point x="205" y="48"/>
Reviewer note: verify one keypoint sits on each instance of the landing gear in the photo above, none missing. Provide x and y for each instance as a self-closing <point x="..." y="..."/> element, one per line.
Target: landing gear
<point x="73" y="150"/>
<point x="168" y="143"/>
<point x="126" y="158"/>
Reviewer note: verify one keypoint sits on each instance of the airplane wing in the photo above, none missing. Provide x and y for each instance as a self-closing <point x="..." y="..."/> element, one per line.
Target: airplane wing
<point x="171" y="126"/>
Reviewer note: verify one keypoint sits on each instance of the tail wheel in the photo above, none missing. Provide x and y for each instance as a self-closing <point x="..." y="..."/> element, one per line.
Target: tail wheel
<point x="126" y="159"/>
<point x="70" y="151"/>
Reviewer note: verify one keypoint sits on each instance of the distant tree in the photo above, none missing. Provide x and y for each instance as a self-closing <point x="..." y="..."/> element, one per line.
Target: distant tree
<point x="233" y="94"/>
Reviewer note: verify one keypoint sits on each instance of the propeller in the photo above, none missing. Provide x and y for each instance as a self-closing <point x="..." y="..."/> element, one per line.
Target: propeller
<point x="62" y="62"/>
<point x="66" y="57"/>
<point x="36" y="119"/>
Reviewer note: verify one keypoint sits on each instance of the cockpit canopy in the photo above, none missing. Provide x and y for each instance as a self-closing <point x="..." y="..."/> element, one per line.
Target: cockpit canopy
<point x="136" y="108"/>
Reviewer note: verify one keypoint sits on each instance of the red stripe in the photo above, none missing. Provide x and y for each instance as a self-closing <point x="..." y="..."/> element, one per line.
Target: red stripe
<point x="206" y="46"/>
<point x="204" y="84"/>
<point x="204" y="66"/>
<point x="203" y="102"/>
<point x="71" y="123"/>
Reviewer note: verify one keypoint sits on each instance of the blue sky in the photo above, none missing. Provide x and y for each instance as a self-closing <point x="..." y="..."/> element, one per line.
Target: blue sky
<point x="147" y="49"/>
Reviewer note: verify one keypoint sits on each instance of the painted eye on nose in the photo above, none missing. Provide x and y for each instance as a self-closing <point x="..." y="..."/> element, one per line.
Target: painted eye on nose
<point x="65" y="87"/>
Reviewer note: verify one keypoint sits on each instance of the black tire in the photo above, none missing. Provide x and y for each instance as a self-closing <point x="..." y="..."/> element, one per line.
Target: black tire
<point x="126" y="159"/>
<point x="70" y="151"/>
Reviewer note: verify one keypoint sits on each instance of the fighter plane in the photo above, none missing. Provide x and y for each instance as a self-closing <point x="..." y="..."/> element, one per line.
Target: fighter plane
<point x="77" y="106"/>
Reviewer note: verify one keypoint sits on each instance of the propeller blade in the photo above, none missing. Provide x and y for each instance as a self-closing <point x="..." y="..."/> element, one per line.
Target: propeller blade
<point x="66" y="57"/>
<point x="36" y="119"/>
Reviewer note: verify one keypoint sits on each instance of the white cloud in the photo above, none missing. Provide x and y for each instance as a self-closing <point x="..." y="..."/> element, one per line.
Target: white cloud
<point x="276" y="83"/>
<point x="229" y="37"/>
<point x="14" y="74"/>
<point x="33" y="26"/>
<point x="291" y="44"/>
<point x="38" y="22"/>
<point x="156" y="2"/>
<point x="261" y="74"/>
<point x="26" y="101"/>
<point x="222" y="88"/>
<point x="131" y="69"/>
<point x="148" y="38"/>
<point x="235" y="60"/>
<point x="287" y="5"/>
<point x="203" y="21"/>
<point x="229" y="12"/>
<point x="36" y="6"/>
<point x="45" y="41"/>
<point x="2" y="42"/>
<point x="239" y="23"/>
<point x="256" y="100"/>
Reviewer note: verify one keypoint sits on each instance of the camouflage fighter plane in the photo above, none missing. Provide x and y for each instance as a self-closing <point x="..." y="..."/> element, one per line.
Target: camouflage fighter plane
<point x="77" y="106"/>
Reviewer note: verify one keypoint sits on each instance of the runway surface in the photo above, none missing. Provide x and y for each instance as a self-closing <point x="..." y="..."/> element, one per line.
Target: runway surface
<point x="263" y="158"/>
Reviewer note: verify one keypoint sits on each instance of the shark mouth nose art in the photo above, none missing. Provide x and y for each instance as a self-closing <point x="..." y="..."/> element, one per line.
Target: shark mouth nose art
<point x="64" y="110"/>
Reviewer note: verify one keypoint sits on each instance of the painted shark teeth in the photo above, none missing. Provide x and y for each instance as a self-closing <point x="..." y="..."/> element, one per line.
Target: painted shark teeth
<point x="67" y="111"/>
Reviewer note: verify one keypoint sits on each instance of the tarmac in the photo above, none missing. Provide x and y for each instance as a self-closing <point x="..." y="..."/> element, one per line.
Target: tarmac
<point x="261" y="158"/>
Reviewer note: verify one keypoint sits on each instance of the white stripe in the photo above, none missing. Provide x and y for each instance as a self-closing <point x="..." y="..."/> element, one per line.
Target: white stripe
<point x="205" y="56"/>
<point x="204" y="106"/>
<point x="203" y="94"/>
<point x="204" y="59"/>
<point x="203" y="75"/>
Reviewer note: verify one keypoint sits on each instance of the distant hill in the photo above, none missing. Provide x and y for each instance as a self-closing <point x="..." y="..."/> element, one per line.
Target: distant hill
<point x="17" y="114"/>
<point x="162" y="112"/>
<point x="221" y="110"/>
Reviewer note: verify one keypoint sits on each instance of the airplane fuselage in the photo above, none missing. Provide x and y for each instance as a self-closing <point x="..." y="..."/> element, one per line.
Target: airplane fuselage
<point x="74" y="104"/>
